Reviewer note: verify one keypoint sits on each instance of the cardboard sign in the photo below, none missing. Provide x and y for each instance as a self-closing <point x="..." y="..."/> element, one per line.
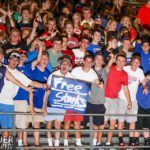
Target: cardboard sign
<point x="69" y="94"/>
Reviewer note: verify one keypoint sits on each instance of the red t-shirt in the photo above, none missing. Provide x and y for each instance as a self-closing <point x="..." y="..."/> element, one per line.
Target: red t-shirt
<point x="114" y="82"/>
<point x="70" y="53"/>
<point x="144" y="15"/>
<point x="48" y="42"/>
<point x="132" y="33"/>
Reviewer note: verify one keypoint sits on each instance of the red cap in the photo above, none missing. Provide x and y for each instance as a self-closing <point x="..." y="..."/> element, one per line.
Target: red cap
<point x="2" y="27"/>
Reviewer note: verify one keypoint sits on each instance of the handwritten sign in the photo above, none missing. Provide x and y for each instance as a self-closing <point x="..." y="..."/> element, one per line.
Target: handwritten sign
<point x="69" y="94"/>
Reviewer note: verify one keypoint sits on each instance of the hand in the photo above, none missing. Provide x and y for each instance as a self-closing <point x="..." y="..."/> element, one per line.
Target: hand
<point x="145" y="90"/>
<point x="101" y="85"/>
<point x="111" y="55"/>
<point x="139" y="41"/>
<point x="44" y="86"/>
<point x="9" y="13"/>
<point x="32" y="111"/>
<point x="129" y="107"/>
<point x="30" y="89"/>
<point x="19" y="18"/>
<point x="35" y="24"/>
<point x="38" y="17"/>
<point x="54" y="32"/>
<point x="44" y="111"/>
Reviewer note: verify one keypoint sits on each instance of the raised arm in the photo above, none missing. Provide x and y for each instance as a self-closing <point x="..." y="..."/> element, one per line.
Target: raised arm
<point x="35" y="62"/>
<point x="31" y="37"/>
<point x="9" y="14"/>
<point x="110" y="62"/>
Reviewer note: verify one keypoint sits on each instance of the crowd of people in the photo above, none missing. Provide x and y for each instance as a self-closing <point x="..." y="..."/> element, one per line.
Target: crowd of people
<point x="94" y="41"/>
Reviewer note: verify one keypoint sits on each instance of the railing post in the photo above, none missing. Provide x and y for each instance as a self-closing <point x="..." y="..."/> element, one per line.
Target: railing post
<point x="91" y="132"/>
<point x="14" y="133"/>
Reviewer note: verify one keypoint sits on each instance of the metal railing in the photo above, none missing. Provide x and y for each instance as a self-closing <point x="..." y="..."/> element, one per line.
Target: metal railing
<point x="90" y="130"/>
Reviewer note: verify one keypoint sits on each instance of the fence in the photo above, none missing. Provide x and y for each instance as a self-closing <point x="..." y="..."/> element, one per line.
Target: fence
<point x="90" y="130"/>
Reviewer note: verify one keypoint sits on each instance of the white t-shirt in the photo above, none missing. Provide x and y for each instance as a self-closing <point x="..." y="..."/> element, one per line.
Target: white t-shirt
<point x="90" y="23"/>
<point x="134" y="78"/>
<point x="58" y="73"/>
<point x="90" y="76"/>
<point x="10" y="89"/>
<point x="79" y="56"/>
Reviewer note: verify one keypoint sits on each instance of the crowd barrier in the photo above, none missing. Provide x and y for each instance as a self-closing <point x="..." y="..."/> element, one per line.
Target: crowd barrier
<point x="90" y="131"/>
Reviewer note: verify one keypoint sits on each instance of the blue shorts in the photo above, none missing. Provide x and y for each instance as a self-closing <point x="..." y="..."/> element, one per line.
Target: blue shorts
<point x="54" y="117"/>
<point x="6" y="120"/>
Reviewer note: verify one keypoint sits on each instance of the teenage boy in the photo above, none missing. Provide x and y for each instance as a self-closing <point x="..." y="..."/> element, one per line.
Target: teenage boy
<point x="135" y="77"/>
<point x="7" y="99"/>
<point x="81" y="51"/>
<point x="40" y="74"/>
<point x="85" y="73"/>
<point x="143" y="108"/>
<point x="65" y="67"/>
<point x="125" y="47"/>
<point x="66" y="51"/>
<point x="143" y="50"/>
<point x="87" y="14"/>
<point x="22" y="96"/>
<point x="97" y="99"/>
<point x="116" y="79"/>
<point x="55" y="51"/>
<point x="94" y="47"/>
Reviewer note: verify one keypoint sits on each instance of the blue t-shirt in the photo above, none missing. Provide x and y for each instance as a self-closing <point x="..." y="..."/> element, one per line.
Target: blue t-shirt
<point x="143" y="99"/>
<point x="93" y="48"/>
<point x="38" y="95"/>
<point x="23" y="94"/>
<point x="145" y="58"/>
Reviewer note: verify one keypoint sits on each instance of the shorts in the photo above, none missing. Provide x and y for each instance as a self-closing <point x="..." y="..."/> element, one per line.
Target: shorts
<point x="54" y="117"/>
<point x="124" y="110"/>
<point x="94" y="109"/>
<point x="21" y="106"/>
<point x="73" y="118"/>
<point x="143" y="122"/>
<point x="6" y="121"/>
<point x="36" y="118"/>
<point x="111" y="106"/>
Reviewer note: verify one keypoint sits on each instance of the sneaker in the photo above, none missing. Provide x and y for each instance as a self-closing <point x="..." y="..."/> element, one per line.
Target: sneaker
<point x="121" y="144"/>
<point x="109" y="144"/>
<point x="132" y="144"/>
<point x="79" y="145"/>
<point x="147" y="143"/>
<point x="99" y="144"/>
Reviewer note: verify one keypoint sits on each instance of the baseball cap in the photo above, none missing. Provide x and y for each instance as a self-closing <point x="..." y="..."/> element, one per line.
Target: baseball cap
<point x="98" y="16"/>
<point x="22" y="51"/>
<point x="15" y="55"/>
<point x="21" y="1"/>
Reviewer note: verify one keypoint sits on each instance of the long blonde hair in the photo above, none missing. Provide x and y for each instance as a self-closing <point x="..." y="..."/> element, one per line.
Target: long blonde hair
<point x="121" y="22"/>
<point x="110" y="21"/>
